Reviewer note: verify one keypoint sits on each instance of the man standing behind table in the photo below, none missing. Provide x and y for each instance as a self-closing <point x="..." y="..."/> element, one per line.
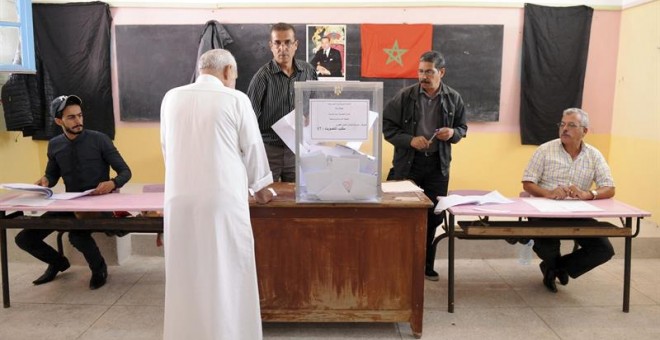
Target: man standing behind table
<point x="422" y="122"/>
<point x="272" y="93"/>
<point x="83" y="159"/>
<point x="213" y="153"/>
<point x="327" y="60"/>
<point x="566" y="168"/>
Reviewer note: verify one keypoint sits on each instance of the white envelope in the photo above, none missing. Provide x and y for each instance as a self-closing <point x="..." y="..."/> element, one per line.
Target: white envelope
<point x="335" y="191"/>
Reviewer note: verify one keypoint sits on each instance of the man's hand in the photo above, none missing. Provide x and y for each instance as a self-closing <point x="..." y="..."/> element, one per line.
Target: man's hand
<point x="575" y="192"/>
<point x="104" y="188"/>
<point x="559" y="193"/>
<point x="420" y="143"/>
<point x="445" y="134"/>
<point x="43" y="181"/>
<point x="263" y="196"/>
<point x="322" y="70"/>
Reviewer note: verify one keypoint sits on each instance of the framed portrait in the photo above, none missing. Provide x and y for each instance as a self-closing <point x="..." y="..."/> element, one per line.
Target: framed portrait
<point x="326" y="50"/>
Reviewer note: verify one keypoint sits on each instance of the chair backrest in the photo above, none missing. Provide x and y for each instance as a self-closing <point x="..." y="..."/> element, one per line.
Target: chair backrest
<point x="153" y="188"/>
<point x="340" y="48"/>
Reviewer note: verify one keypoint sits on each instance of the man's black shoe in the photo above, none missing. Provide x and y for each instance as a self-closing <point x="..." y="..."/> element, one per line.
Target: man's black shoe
<point x="548" y="277"/>
<point x="562" y="275"/>
<point x="98" y="279"/>
<point x="51" y="272"/>
<point x="431" y="275"/>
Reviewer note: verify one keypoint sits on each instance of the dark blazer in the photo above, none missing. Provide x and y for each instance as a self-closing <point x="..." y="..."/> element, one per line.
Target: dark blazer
<point x="400" y="119"/>
<point x="332" y="62"/>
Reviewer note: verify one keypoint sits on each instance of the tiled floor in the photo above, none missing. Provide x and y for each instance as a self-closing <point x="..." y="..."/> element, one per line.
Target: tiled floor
<point x="495" y="299"/>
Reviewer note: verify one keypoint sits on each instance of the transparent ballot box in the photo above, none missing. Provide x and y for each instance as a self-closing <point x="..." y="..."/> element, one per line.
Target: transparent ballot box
<point x="338" y="141"/>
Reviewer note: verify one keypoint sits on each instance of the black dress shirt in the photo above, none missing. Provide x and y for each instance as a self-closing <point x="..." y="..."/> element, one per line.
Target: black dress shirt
<point x="84" y="162"/>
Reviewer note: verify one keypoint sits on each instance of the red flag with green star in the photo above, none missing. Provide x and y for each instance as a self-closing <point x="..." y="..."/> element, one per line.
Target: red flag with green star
<point x="393" y="51"/>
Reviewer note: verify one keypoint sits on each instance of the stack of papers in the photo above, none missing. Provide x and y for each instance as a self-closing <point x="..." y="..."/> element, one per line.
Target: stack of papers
<point x="45" y="192"/>
<point x="400" y="186"/>
<point x="493" y="197"/>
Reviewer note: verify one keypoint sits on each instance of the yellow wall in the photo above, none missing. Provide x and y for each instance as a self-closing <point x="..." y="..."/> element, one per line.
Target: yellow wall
<point x="20" y="159"/>
<point x="24" y="160"/>
<point x="482" y="161"/>
<point x="140" y="147"/>
<point x="491" y="161"/>
<point x="636" y="118"/>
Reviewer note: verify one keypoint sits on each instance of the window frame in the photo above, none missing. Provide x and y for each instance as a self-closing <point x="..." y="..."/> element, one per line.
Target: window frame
<point x="25" y="27"/>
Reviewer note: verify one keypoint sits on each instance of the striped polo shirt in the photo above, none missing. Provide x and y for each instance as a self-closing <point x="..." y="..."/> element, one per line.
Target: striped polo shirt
<point x="272" y="93"/>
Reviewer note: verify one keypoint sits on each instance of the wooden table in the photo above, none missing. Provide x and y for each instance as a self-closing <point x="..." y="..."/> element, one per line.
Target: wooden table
<point x="321" y="262"/>
<point x="553" y="227"/>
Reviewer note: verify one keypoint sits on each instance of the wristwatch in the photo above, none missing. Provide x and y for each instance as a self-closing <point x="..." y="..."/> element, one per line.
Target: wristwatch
<point x="594" y="193"/>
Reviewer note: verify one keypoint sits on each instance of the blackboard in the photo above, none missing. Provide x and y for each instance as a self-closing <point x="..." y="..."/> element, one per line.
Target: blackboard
<point x="151" y="59"/>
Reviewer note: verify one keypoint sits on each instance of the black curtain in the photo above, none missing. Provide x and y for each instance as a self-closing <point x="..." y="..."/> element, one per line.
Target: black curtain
<point x="72" y="43"/>
<point x="554" y="60"/>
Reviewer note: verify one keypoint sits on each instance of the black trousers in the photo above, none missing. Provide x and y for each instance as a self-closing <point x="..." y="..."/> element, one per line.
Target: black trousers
<point x="32" y="241"/>
<point x="592" y="253"/>
<point x="427" y="174"/>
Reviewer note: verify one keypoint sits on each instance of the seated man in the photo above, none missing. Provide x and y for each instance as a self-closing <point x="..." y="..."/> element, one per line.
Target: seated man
<point x="83" y="159"/>
<point x="327" y="60"/>
<point x="566" y="168"/>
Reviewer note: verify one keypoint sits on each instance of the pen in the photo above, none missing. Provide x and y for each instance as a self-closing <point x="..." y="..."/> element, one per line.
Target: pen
<point x="433" y="137"/>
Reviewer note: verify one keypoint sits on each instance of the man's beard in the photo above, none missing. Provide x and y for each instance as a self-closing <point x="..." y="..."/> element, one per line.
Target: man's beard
<point x="73" y="132"/>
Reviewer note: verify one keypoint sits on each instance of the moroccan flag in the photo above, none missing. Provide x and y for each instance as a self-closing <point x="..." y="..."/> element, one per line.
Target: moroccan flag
<point x="393" y="51"/>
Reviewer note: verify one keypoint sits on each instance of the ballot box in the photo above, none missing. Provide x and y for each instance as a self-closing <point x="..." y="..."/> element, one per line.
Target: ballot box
<point x="338" y="133"/>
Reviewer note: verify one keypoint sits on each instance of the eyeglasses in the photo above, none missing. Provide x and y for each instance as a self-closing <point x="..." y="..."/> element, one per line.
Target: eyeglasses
<point x="427" y="73"/>
<point x="285" y="43"/>
<point x="569" y="125"/>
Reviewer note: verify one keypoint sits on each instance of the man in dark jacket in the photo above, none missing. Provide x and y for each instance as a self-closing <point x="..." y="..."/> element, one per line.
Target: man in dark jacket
<point x="83" y="159"/>
<point x="422" y="121"/>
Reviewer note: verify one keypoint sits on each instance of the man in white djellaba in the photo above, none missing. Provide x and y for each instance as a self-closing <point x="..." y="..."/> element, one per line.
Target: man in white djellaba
<point x="213" y="153"/>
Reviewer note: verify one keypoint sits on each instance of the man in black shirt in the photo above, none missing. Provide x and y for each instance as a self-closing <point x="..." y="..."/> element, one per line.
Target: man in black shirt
<point x="82" y="158"/>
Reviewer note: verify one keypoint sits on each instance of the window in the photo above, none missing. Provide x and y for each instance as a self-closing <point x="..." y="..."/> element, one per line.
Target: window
<point x="16" y="37"/>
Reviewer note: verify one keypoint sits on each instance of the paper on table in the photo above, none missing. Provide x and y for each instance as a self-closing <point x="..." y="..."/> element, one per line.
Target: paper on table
<point x="46" y="192"/>
<point x="453" y="200"/>
<point x="70" y="195"/>
<point x="28" y="201"/>
<point x="548" y="205"/>
<point x="400" y="186"/>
